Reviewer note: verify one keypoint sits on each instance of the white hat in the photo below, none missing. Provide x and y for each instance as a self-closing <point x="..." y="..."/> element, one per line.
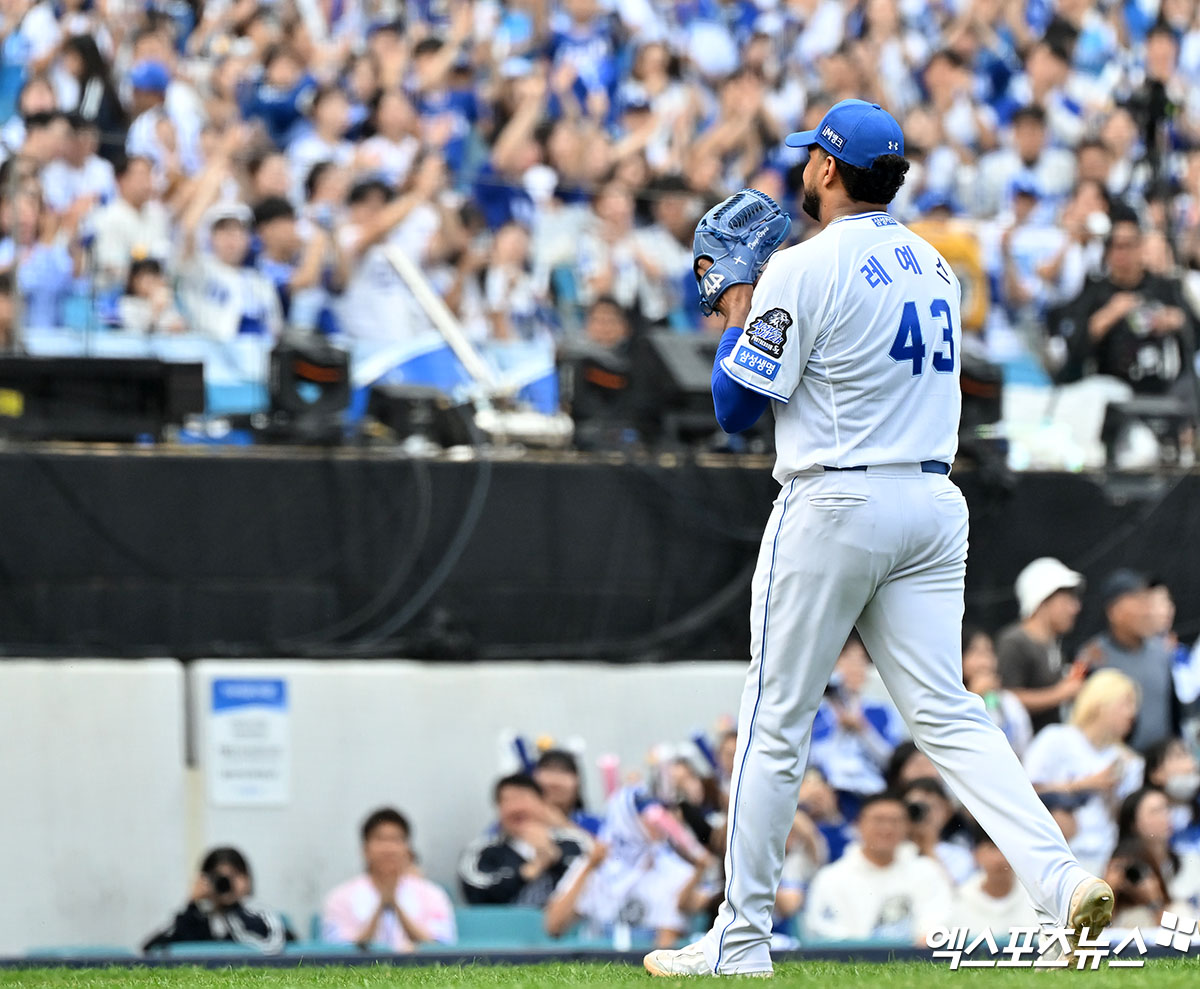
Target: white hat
<point x="220" y="212"/>
<point x="1042" y="578"/>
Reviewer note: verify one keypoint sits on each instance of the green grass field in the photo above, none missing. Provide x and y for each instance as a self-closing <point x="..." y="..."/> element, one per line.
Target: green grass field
<point x="1165" y="974"/>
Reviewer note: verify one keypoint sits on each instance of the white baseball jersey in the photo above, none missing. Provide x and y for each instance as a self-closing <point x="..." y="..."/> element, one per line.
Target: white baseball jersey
<point x="855" y="334"/>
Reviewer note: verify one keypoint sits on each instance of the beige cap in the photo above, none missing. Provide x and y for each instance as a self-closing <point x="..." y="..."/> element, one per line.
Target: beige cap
<point x="1042" y="578"/>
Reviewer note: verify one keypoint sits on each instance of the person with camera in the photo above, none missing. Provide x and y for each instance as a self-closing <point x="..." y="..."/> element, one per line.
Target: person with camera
<point x="1131" y="324"/>
<point x="220" y="909"/>
<point x="1145" y="816"/>
<point x="1137" y="881"/>
<point x="929" y="815"/>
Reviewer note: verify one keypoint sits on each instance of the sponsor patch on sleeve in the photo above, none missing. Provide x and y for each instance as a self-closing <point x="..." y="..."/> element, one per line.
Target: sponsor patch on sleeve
<point x="762" y="366"/>
<point x="768" y="332"/>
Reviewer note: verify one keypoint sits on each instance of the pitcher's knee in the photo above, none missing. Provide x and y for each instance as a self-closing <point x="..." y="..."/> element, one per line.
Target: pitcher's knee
<point x="780" y="749"/>
<point x="940" y="722"/>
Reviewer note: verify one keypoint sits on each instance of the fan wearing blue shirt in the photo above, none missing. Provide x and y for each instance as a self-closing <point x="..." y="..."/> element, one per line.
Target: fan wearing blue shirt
<point x="443" y="93"/>
<point x="278" y="96"/>
<point x="585" y="43"/>
<point x="295" y="266"/>
<point x="853" y="736"/>
<point x="44" y="266"/>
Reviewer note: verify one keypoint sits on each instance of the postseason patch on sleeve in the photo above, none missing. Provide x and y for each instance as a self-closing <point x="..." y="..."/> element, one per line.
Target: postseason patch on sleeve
<point x="768" y="332"/>
<point x="762" y="366"/>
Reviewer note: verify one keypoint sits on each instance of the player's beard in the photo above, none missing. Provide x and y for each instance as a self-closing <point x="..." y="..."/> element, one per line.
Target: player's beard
<point x="811" y="203"/>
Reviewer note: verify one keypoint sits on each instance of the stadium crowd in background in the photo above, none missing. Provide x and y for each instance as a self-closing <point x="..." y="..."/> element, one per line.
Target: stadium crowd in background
<point x="234" y="167"/>
<point x="879" y="849"/>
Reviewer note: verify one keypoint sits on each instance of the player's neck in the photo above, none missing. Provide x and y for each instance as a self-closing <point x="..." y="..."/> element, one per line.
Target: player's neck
<point x="837" y="209"/>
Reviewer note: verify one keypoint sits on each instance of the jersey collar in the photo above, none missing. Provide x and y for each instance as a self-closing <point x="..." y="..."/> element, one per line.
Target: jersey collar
<point x="859" y="216"/>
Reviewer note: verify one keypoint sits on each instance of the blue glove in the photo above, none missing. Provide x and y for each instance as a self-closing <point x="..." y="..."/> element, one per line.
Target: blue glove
<point x="737" y="236"/>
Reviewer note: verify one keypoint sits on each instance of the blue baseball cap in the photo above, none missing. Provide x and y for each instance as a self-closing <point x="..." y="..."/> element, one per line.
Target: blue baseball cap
<point x="855" y="132"/>
<point x="153" y="77"/>
<point x="1025" y="185"/>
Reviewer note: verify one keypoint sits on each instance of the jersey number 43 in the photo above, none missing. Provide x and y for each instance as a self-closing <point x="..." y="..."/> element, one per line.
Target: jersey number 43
<point x="909" y="344"/>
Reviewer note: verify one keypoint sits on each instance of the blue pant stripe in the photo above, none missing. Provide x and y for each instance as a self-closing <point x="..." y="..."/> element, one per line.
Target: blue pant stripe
<point x="762" y="662"/>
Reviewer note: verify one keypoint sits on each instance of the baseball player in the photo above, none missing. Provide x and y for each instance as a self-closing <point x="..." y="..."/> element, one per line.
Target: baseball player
<point x="853" y="339"/>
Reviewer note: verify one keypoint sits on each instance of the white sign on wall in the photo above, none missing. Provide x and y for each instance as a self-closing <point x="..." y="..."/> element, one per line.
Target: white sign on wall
<point x="249" y="745"/>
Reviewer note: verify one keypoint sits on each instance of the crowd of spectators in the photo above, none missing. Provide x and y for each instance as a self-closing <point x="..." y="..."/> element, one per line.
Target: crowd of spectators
<point x="879" y="848"/>
<point x="232" y="167"/>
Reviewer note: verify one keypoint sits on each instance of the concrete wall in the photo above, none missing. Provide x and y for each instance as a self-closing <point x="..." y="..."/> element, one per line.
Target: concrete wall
<point x="109" y="822"/>
<point x="92" y="800"/>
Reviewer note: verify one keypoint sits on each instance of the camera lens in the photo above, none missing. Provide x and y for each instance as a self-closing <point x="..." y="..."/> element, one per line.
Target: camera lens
<point x="222" y="884"/>
<point x="917" y="811"/>
<point x="1135" y="872"/>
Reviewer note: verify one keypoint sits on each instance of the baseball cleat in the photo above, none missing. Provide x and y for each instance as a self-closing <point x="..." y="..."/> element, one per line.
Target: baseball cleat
<point x="690" y="960"/>
<point x="1091" y="910"/>
<point x="682" y="961"/>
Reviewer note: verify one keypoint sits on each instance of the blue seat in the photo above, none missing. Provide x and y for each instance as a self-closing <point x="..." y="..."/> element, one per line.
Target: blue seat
<point x="579" y="938"/>
<point x="501" y="927"/>
<point x="80" y="951"/>
<point x="856" y="944"/>
<point x="200" y="949"/>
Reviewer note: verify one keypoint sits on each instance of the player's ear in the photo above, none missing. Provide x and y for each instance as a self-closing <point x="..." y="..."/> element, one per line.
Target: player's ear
<point x="829" y="170"/>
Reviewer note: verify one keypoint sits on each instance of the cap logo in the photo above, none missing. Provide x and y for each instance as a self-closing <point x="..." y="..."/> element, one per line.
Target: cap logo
<point x="833" y="137"/>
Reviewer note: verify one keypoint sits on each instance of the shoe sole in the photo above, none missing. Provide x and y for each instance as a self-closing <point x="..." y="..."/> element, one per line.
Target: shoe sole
<point x="1093" y="911"/>
<point x="654" y="969"/>
<point x="662" y="973"/>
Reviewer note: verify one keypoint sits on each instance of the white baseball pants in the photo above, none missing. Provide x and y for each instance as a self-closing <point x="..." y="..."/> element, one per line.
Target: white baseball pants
<point x="884" y="549"/>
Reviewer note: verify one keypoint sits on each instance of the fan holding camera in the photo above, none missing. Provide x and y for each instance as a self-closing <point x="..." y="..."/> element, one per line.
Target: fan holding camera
<point x="220" y="909"/>
<point x="1131" y="323"/>
<point x="1139" y="884"/>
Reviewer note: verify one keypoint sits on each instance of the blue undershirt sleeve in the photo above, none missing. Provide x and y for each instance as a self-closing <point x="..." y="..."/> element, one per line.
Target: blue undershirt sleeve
<point x="737" y="407"/>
